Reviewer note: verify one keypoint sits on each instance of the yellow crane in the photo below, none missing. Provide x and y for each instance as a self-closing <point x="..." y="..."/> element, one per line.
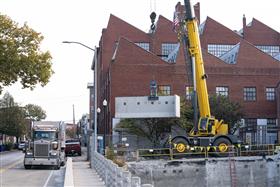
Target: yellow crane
<point x="208" y="131"/>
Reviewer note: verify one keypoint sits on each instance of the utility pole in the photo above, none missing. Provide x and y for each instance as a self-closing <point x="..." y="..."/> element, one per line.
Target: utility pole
<point x="74" y="114"/>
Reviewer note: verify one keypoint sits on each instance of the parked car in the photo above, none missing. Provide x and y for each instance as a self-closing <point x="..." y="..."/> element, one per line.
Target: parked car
<point x="73" y="147"/>
<point x="21" y="145"/>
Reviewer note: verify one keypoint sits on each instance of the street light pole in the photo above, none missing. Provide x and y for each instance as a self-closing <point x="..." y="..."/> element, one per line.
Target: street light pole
<point x="95" y="87"/>
<point x="104" y="120"/>
<point x="72" y="42"/>
<point x="98" y="110"/>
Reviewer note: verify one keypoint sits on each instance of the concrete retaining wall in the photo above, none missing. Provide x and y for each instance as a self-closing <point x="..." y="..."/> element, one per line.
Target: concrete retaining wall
<point x="249" y="171"/>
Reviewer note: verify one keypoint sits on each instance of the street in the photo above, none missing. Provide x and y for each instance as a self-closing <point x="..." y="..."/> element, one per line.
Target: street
<point x="13" y="174"/>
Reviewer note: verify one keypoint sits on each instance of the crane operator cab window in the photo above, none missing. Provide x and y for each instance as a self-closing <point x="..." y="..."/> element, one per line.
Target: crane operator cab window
<point x="206" y="124"/>
<point x="211" y="122"/>
<point x="203" y="124"/>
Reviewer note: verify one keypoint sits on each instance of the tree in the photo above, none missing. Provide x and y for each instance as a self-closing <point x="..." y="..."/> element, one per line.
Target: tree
<point x="20" y="56"/>
<point x="155" y="129"/>
<point x="34" y="112"/>
<point x="70" y="133"/>
<point x="223" y="108"/>
<point x="12" y="117"/>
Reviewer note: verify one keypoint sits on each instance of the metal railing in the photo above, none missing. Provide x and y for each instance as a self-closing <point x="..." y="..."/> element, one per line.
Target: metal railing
<point x="209" y="151"/>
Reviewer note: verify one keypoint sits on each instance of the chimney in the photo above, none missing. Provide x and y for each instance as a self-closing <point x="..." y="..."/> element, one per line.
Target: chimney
<point x="244" y="25"/>
<point x="244" y="22"/>
<point x="197" y="11"/>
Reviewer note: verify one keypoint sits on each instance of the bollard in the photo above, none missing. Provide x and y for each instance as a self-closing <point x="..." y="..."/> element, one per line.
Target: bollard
<point x="147" y="185"/>
<point x="126" y="179"/>
<point x="135" y="182"/>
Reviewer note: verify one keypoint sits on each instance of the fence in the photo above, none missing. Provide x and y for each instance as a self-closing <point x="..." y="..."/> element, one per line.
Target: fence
<point x="132" y="148"/>
<point x="209" y="151"/>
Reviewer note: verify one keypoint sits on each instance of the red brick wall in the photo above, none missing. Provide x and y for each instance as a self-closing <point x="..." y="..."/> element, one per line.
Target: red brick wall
<point x="134" y="68"/>
<point x="260" y="34"/>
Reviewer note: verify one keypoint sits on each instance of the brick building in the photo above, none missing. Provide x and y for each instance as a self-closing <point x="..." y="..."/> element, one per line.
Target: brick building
<point x="243" y="65"/>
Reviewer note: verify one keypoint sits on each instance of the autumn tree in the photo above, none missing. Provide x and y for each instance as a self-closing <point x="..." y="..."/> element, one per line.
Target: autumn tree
<point x="20" y="56"/>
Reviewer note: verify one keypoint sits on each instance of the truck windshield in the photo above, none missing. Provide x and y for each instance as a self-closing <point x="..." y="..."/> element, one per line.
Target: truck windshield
<point x="50" y="135"/>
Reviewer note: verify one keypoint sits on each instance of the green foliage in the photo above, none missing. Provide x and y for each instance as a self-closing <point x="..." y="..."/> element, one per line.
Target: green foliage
<point x="230" y="111"/>
<point x="20" y="56"/>
<point x="186" y="115"/>
<point x="12" y="118"/>
<point x="8" y="146"/>
<point x="34" y="112"/>
<point x="70" y="132"/>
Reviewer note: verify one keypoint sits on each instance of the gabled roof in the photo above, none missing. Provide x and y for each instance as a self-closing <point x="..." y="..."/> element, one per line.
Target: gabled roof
<point x="216" y="33"/>
<point x="259" y="33"/>
<point x="250" y="56"/>
<point x="213" y="61"/>
<point x="244" y="55"/>
<point x="128" y="52"/>
<point x="164" y="27"/>
<point x="117" y="27"/>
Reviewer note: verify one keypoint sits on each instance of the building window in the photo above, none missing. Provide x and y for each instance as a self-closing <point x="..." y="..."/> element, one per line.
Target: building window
<point x="143" y="45"/>
<point x="272" y="50"/>
<point x="222" y="90"/>
<point x="270" y="94"/>
<point x="250" y="94"/>
<point x="189" y="92"/>
<point x="164" y="90"/>
<point x="271" y="125"/>
<point x="167" y="49"/>
<point x="250" y="124"/>
<point x="219" y="49"/>
<point x="271" y="122"/>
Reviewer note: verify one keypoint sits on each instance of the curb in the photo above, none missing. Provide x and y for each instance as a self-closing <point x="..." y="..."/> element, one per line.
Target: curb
<point x="13" y="150"/>
<point x="68" y="178"/>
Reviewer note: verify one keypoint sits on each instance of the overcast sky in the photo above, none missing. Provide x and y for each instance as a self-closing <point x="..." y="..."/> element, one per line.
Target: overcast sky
<point x="83" y="21"/>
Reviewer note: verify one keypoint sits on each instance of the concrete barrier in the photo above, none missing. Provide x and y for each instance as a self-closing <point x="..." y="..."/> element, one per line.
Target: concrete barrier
<point x="68" y="179"/>
<point x="112" y="174"/>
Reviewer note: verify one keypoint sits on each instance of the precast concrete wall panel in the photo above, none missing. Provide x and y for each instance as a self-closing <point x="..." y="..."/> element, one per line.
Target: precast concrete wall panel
<point x="143" y="107"/>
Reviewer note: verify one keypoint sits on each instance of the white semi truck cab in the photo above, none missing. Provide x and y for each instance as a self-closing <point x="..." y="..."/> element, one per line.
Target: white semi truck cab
<point x="47" y="145"/>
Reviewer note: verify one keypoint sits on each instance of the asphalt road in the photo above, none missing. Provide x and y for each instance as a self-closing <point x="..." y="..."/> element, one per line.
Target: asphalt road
<point x="13" y="174"/>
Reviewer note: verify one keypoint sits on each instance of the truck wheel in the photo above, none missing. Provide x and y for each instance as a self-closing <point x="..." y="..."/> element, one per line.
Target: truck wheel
<point x="27" y="166"/>
<point x="57" y="167"/>
<point x="222" y="146"/>
<point x="62" y="163"/>
<point x="180" y="146"/>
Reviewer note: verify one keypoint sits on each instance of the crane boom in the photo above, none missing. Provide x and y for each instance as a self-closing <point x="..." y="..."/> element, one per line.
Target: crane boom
<point x="208" y="130"/>
<point x="195" y="52"/>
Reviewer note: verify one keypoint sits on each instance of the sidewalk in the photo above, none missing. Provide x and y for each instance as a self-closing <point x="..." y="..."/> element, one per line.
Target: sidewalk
<point x="83" y="175"/>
